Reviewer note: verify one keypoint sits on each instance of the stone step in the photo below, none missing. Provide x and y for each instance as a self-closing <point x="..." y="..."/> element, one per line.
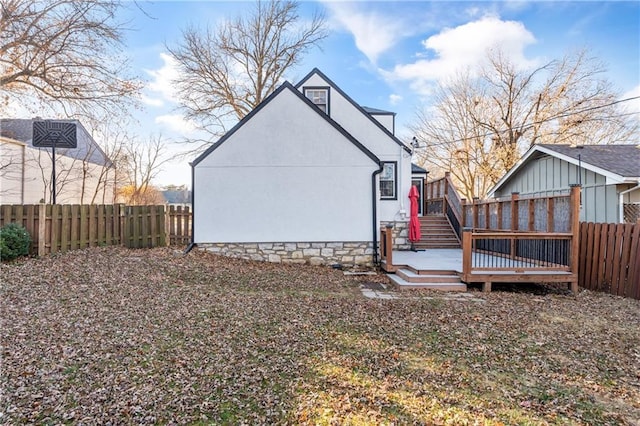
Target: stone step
<point x="402" y="284"/>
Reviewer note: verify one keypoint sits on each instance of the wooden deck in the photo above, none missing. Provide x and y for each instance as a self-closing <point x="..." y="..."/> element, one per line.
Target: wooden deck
<point x="435" y="261"/>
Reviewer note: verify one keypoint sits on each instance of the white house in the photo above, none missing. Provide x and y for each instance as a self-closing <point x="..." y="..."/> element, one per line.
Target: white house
<point x="84" y="174"/>
<point x="309" y="176"/>
<point x="609" y="176"/>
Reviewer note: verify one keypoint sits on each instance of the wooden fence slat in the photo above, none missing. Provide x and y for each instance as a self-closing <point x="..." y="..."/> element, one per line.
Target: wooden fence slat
<point x="616" y="288"/>
<point x="65" y="231"/>
<point x="75" y="227"/>
<point x="187" y="227"/>
<point x="101" y="230"/>
<point x="588" y="259"/>
<point x="597" y="261"/>
<point x="634" y="261"/>
<point x="624" y="263"/>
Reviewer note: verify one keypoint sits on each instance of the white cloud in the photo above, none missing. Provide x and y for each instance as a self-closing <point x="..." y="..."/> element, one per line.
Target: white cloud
<point x="464" y="48"/>
<point x="373" y="32"/>
<point x="176" y="123"/>
<point x="163" y="78"/>
<point x="151" y="101"/>
<point x="633" y="106"/>
<point x="394" y="99"/>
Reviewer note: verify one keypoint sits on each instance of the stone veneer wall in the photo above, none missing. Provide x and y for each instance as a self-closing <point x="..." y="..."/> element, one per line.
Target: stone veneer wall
<point x="400" y="234"/>
<point x="326" y="253"/>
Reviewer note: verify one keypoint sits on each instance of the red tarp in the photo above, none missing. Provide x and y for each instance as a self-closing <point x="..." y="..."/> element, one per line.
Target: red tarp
<point x="414" y="223"/>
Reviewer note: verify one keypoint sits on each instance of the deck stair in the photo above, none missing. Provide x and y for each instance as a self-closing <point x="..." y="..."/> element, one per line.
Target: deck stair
<point x="408" y="277"/>
<point x="436" y="232"/>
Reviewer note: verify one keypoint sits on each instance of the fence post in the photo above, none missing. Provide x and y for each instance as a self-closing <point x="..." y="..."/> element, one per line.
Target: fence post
<point x="168" y="217"/>
<point x="575" y="231"/>
<point x="123" y="225"/>
<point x="550" y="208"/>
<point x="474" y="212"/>
<point x="42" y="228"/>
<point x="514" y="222"/>
<point x="514" y="210"/>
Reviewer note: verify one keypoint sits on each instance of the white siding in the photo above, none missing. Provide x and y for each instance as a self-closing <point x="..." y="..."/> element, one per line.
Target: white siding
<point x="386" y="120"/>
<point x="286" y="175"/>
<point x="28" y="178"/>
<point x="377" y="141"/>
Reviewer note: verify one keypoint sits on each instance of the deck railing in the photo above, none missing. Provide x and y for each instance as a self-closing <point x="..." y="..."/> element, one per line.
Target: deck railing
<point x="492" y="253"/>
<point x="519" y="251"/>
<point x="441" y="197"/>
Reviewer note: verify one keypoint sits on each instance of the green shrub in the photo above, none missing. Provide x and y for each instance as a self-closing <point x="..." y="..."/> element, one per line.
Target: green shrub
<point x="14" y="241"/>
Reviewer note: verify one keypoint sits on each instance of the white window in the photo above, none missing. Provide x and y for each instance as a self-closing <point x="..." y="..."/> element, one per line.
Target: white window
<point x="388" y="179"/>
<point x="319" y="96"/>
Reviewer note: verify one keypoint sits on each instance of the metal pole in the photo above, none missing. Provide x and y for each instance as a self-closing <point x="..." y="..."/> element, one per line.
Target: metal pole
<point x="53" y="174"/>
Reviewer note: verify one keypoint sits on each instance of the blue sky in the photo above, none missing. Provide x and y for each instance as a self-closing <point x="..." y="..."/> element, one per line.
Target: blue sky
<point x="389" y="55"/>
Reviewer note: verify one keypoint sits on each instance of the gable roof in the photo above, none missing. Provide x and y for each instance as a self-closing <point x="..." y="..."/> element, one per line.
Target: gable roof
<point x="286" y="86"/>
<point x="358" y="107"/>
<point x="623" y="160"/>
<point x="88" y="149"/>
<point x="618" y="163"/>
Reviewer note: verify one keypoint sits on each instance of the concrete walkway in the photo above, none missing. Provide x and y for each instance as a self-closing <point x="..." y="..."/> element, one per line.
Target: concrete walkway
<point x="382" y="291"/>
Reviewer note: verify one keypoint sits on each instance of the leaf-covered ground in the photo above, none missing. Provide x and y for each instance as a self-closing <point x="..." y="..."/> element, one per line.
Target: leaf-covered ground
<point x="151" y="336"/>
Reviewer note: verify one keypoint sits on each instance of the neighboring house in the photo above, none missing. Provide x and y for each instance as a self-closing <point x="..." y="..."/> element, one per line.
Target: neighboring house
<point x="179" y="196"/>
<point x="83" y="175"/>
<point x="309" y="176"/>
<point x="609" y="175"/>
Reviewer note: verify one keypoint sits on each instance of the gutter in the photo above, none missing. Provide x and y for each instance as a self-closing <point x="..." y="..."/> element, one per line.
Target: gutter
<point x="193" y="210"/>
<point x="621" y="201"/>
<point x="374" y="212"/>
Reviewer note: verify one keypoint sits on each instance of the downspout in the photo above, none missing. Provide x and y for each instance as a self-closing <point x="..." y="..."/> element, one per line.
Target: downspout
<point x="621" y="202"/>
<point x="374" y="212"/>
<point x="193" y="209"/>
<point x="22" y="172"/>
<point x="403" y="212"/>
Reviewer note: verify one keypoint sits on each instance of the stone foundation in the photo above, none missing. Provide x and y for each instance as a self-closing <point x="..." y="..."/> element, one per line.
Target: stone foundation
<point x="348" y="254"/>
<point x="399" y="234"/>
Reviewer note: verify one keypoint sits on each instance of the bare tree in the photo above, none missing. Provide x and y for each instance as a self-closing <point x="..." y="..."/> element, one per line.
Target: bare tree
<point x="64" y="52"/>
<point x="141" y="162"/>
<point x="227" y="71"/>
<point x="479" y="126"/>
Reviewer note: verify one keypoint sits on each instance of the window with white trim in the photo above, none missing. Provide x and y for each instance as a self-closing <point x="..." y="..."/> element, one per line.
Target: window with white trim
<point x="388" y="179"/>
<point x="319" y="96"/>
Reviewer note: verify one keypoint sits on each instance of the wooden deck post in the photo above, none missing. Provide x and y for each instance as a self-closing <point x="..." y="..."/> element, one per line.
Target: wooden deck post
<point x="445" y="193"/>
<point x="575" y="238"/>
<point x="388" y="246"/>
<point x="463" y="203"/>
<point x="467" y="247"/>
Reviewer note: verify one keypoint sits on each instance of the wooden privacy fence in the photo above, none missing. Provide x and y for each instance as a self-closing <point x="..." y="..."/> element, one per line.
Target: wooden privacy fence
<point x="61" y="227"/>
<point x="610" y="258"/>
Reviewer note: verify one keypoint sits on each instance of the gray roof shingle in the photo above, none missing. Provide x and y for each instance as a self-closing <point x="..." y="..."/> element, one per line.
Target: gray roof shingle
<point x="623" y="160"/>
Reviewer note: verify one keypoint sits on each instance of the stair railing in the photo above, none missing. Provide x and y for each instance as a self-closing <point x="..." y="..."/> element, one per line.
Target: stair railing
<point x="441" y="197"/>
